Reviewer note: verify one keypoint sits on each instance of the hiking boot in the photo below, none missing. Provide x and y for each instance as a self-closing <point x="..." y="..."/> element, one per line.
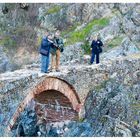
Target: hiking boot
<point x="57" y="70"/>
<point x="51" y="70"/>
<point x="90" y="63"/>
<point x="41" y="74"/>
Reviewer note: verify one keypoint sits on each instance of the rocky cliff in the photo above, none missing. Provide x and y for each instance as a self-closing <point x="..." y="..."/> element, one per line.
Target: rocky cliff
<point x="110" y="89"/>
<point x="22" y="29"/>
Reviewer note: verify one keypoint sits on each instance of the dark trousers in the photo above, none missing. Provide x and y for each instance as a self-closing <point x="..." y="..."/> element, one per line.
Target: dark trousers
<point x="93" y="56"/>
<point x="44" y="63"/>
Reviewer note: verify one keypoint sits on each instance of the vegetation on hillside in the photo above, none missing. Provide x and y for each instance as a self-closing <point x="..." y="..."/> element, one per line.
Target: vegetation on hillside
<point x="115" y="42"/>
<point x="74" y="36"/>
<point x="7" y="42"/>
<point x="77" y="36"/>
<point x="53" y="9"/>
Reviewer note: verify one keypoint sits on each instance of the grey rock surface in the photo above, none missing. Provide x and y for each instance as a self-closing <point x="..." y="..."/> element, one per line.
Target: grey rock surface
<point x="4" y="61"/>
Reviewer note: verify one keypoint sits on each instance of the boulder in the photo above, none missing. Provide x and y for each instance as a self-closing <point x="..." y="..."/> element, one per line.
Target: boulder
<point x="128" y="47"/>
<point x="136" y="16"/>
<point x="27" y="125"/>
<point x="4" y="61"/>
<point x="124" y="8"/>
<point x="116" y="99"/>
<point x="72" y="54"/>
<point x="128" y="26"/>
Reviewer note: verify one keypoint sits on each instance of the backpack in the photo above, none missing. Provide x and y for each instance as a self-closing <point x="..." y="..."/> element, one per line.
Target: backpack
<point x="59" y="43"/>
<point x="98" y="47"/>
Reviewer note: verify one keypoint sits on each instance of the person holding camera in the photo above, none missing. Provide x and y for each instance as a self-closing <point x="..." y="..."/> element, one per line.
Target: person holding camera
<point x="56" y="51"/>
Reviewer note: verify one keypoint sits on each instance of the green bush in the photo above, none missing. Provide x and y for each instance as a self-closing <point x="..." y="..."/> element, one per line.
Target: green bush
<point x="115" y="42"/>
<point x="86" y="47"/>
<point x="81" y="120"/>
<point x="38" y="42"/>
<point x="8" y="42"/>
<point x="53" y="9"/>
<point x="82" y="34"/>
<point x="69" y="30"/>
<point x="19" y="30"/>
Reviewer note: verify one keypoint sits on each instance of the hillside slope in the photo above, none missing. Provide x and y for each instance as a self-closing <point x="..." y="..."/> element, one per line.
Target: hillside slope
<point x="22" y="29"/>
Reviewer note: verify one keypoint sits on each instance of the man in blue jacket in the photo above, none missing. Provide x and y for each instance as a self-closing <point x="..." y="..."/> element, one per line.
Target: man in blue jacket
<point x="96" y="49"/>
<point x="46" y="44"/>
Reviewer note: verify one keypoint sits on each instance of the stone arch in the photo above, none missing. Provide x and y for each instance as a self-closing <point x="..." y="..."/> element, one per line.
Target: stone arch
<point x="48" y="83"/>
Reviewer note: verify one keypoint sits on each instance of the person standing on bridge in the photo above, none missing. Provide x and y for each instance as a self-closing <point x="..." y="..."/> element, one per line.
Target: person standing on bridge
<point x="46" y="44"/>
<point x="96" y="49"/>
<point x="55" y="52"/>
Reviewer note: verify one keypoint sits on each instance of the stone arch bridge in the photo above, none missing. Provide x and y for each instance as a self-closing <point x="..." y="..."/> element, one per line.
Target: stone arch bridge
<point x="19" y="87"/>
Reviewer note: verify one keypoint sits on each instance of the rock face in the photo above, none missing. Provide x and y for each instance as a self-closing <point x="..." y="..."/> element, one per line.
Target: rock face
<point x="108" y="91"/>
<point x="112" y="30"/>
<point x="135" y="16"/>
<point x="27" y="127"/>
<point x="79" y="129"/>
<point x="72" y="54"/>
<point x="117" y="98"/>
<point x="74" y="13"/>
<point x="112" y="108"/>
<point x="22" y="36"/>
<point x="4" y="61"/>
<point x="126" y="48"/>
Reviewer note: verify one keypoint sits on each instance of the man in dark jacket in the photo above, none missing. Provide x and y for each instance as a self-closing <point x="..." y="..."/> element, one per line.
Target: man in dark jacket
<point x="96" y="49"/>
<point x="46" y="44"/>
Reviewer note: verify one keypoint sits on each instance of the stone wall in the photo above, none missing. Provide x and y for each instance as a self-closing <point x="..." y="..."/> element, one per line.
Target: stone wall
<point x="12" y="86"/>
<point x="84" y="78"/>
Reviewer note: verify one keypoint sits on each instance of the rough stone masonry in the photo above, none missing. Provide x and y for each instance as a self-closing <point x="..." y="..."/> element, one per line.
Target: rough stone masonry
<point x="15" y="86"/>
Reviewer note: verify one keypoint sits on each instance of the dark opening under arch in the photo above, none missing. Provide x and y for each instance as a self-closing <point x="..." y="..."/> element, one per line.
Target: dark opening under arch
<point x="47" y="84"/>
